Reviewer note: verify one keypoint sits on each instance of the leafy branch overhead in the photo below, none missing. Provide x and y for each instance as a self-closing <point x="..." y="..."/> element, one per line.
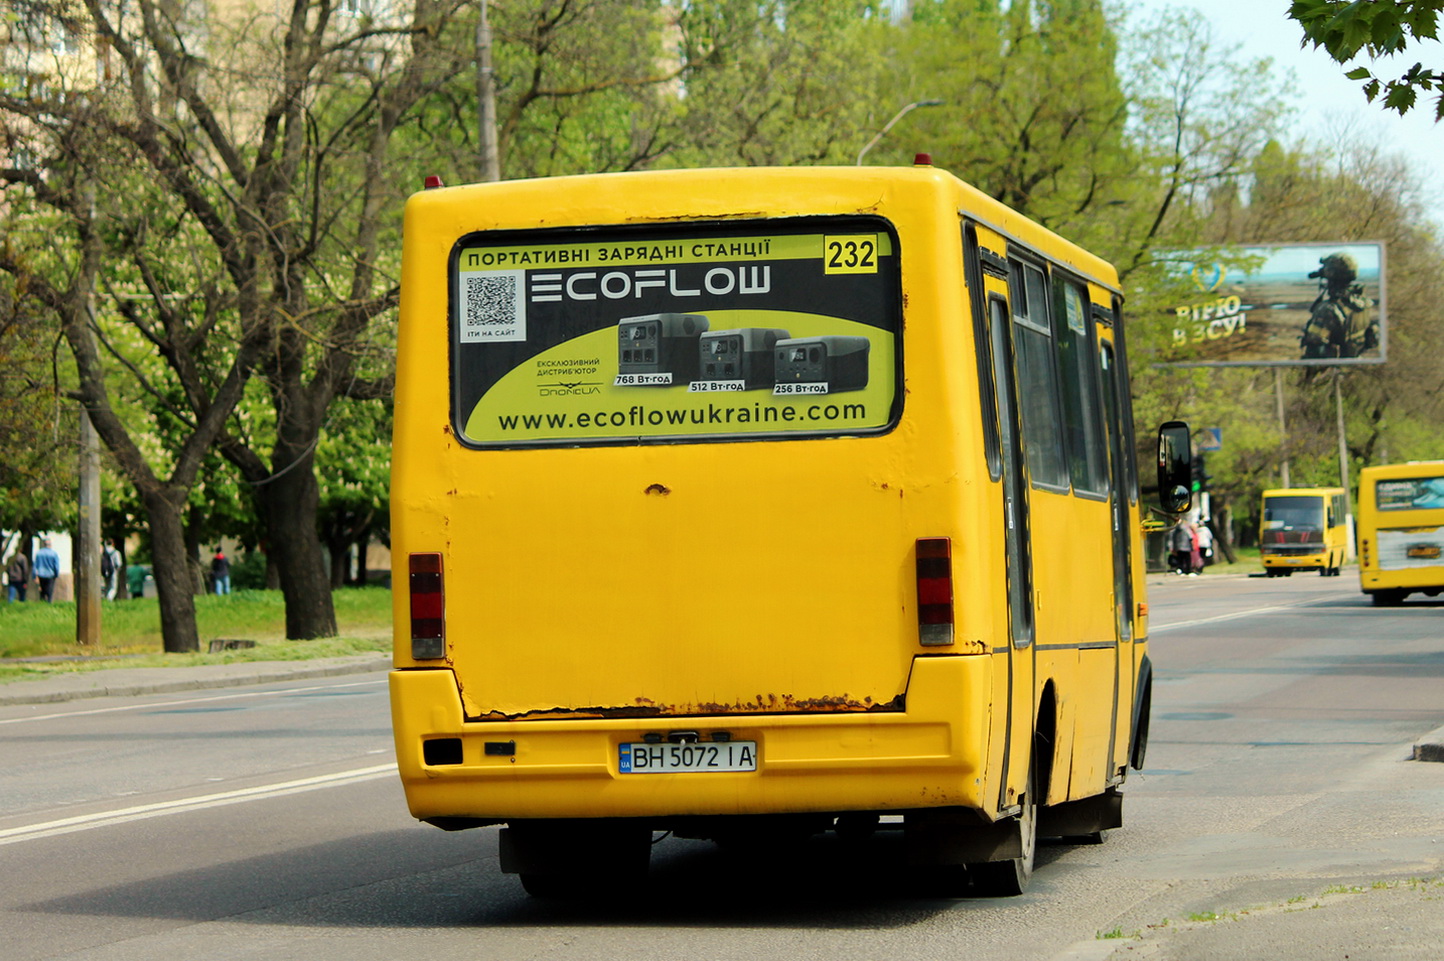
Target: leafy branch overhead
<point x="1378" y="29"/>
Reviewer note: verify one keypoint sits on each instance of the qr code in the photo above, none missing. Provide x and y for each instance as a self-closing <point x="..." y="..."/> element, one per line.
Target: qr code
<point x="492" y="306"/>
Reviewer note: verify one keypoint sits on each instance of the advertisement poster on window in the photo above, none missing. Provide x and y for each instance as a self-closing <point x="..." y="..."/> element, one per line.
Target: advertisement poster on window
<point x="763" y="329"/>
<point x="1316" y="304"/>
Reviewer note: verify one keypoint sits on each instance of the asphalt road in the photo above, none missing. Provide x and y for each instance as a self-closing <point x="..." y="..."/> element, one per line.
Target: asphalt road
<point x="265" y="822"/>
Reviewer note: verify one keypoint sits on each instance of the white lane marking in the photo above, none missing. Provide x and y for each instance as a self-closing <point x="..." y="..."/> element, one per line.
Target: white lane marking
<point x="47" y="829"/>
<point x="188" y="700"/>
<point x="1155" y="628"/>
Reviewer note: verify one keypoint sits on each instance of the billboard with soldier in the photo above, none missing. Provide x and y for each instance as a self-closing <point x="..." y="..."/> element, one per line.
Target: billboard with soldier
<point x="1303" y="304"/>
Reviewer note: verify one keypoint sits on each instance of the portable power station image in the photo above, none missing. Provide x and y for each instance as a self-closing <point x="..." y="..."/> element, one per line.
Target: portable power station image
<point x="660" y="344"/>
<point x="745" y="354"/>
<point x="840" y="362"/>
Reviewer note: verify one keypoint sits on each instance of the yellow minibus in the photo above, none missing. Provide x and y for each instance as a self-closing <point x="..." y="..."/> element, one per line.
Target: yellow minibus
<point x="1401" y="531"/>
<point x="1304" y="528"/>
<point x="741" y="503"/>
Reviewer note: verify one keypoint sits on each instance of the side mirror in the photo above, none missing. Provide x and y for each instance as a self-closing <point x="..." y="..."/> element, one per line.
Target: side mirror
<point x="1175" y="467"/>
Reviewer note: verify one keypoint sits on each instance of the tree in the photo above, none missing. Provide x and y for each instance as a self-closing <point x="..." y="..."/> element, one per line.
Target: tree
<point x="1379" y="29"/>
<point x="776" y="82"/>
<point x="354" y="455"/>
<point x="585" y="86"/>
<point x="253" y="207"/>
<point x="1200" y="115"/>
<point x="1033" y="113"/>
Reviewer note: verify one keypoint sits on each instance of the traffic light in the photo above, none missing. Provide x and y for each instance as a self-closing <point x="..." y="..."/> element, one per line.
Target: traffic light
<point x="1200" y="474"/>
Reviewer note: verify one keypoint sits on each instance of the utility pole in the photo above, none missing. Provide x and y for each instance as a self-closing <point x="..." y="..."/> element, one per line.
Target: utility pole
<point x="85" y="553"/>
<point x="486" y="100"/>
<point x="85" y="558"/>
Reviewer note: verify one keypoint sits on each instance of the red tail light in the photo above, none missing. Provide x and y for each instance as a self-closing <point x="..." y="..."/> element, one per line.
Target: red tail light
<point x="935" y="591"/>
<point x="428" y="607"/>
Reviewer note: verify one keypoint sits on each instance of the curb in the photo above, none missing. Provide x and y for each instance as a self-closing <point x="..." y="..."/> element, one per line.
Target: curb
<point x="127" y="682"/>
<point x="1430" y="747"/>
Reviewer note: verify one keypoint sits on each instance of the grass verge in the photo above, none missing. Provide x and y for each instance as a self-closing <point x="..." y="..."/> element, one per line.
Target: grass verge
<point x="130" y="632"/>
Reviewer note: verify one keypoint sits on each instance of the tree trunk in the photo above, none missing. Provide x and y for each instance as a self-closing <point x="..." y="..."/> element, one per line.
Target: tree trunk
<point x="340" y="561"/>
<point x="363" y="543"/>
<point x="1222" y="527"/>
<point x="290" y="501"/>
<point x="173" y="584"/>
<point x="200" y="583"/>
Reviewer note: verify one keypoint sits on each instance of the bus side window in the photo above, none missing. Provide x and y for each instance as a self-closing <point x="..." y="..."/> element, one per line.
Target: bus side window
<point x="1037" y="378"/>
<point x="987" y="389"/>
<point x="1087" y="455"/>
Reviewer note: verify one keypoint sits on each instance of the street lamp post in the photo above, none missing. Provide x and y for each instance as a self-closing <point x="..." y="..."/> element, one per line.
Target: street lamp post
<point x="896" y="117"/>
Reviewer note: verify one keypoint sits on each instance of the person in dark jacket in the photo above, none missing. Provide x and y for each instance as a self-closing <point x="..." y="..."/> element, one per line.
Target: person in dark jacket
<point x="221" y="571"/>
<point x="17" y="572"/>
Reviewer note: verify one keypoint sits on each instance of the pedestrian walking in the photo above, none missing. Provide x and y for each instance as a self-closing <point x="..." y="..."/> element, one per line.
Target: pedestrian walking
<point x="47" y="569"/>
<point x="221" y="571"/>
<point x="1180" y="549"/>
<point x="17" y="572"/>
<point x="110" y="565"/>
<point x="135" y="577"/>
<point x="1205" y="544"/>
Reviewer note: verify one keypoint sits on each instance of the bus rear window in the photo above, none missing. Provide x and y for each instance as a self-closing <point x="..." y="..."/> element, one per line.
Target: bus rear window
<point x="760" y="329"/>
<point x="1410" y="494"/>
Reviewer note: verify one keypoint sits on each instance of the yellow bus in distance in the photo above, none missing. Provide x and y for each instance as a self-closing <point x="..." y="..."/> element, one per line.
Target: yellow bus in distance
<point x="1401" y="531"/>
<point x="746" y="503"/>
<point x="1304" y="528"/>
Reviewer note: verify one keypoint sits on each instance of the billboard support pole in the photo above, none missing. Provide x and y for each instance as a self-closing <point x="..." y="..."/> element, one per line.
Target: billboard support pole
<point x="1283" y="428"/>
<point x="1343" y="444"/>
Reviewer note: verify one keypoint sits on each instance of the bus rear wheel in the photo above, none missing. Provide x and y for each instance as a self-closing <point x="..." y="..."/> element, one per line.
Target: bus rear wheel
<point x="1388" y="598"/>
<point x="565" y="858"/>
<point x="1010" y="877"/>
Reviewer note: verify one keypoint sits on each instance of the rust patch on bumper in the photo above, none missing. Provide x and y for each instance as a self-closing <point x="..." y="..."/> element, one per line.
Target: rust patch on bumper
<point x="761" y="704"/>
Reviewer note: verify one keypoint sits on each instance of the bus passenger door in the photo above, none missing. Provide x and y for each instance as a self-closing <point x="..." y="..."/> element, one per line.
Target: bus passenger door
<point x="1018" y="561"/>
<point x="1013" y="695"/>
<point x="1124" y="670"/>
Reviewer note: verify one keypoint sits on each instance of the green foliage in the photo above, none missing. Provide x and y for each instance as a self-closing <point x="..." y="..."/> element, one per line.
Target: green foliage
<point x="779" y="82"/>
<point x="1033" y="112"/>
<point x="1377" y="29"/>
<point x="1200" y="113"/>
<point x="38" y="427"/>
<point x="248" y="572"/>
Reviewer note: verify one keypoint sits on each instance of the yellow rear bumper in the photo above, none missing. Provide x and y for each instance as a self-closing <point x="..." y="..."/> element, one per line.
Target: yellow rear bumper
<point x="933" y="754"/>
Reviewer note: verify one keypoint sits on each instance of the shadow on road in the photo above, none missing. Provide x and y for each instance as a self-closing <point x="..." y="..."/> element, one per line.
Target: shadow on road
<point x="410" y="879"/>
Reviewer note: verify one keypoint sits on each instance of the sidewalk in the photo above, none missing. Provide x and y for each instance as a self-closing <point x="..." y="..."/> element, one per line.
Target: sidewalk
<point x="129" y="681"/>
<point x="1400" y="921"/>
